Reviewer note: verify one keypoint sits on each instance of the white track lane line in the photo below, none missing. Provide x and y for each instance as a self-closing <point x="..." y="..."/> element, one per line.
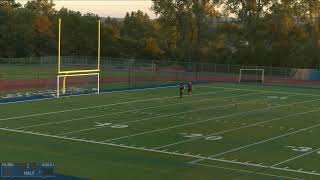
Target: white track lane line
<point x="260" y="142"/>
<point x="135" y="110"/>
<point x="196" y="122"/>
<point x="239" y="128"/>
<point x="106" y="105"/>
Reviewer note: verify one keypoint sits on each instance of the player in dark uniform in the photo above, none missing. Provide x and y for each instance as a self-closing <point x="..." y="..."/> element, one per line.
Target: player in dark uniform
<point x="190" y="88"/>
<point x="181" y="87"/>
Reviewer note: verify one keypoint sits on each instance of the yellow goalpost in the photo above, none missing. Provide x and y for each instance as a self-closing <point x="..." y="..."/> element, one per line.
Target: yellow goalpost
<point x="73" y="73"/>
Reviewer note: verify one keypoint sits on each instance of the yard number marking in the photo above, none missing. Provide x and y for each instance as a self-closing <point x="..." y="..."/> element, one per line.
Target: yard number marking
<point x="111" y="125"/>
<point x="194" y="135"/>
<point x="300" y="149"/>
<point x="277" y="97"/>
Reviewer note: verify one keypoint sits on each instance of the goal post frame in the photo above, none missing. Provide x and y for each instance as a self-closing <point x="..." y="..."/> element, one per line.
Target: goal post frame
<point x="64" y="76"/>
<point x="74" y="73"/>
<point x="261" y="70"/>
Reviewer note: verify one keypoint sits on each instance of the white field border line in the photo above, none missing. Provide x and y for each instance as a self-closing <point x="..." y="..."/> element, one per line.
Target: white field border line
<point x="157" y="117"/>
<point x="196" y="122"/>
<point x="97" y="142"/>
<point x="239" y="128"/>
<point x="256" y="90"/>
<point x="261" y="142"/>
<point x="260" y="166"/>
<point x="132" y="147"/>
<point x="302" y="155"/>
<point x="135" y="110"/>
<point x="106" y="105"/>
<point x="245" y="171"/>
<point x="90" y="94"/>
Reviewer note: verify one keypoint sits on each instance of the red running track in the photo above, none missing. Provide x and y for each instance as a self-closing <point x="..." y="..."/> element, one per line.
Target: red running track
<point x="6" y="85"/>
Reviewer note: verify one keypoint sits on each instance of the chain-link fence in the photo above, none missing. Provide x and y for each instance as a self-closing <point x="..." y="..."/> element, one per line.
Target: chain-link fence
<point x="22" y="75"/>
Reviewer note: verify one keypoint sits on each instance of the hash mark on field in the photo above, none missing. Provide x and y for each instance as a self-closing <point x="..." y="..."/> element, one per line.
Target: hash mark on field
<point x="255" y="90"/>
<point x="123" y="112"/>
<point x="106" y="105"/>
<point x="260" y="166"/>
<point x="239" y="128"/>
<point x="245" y="171"/>
<point x="157" y="117"/>
<point x="187" y="124"/>
<point x="302" y="155"/>
<point x="267" y="140"/>
<point x="147" y="150"/>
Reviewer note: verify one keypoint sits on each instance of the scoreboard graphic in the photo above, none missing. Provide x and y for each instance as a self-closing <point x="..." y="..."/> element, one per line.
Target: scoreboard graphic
<point x="15" y="170"/>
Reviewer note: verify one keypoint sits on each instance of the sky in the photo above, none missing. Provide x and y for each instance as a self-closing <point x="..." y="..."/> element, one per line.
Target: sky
<point x="104" y="8"/>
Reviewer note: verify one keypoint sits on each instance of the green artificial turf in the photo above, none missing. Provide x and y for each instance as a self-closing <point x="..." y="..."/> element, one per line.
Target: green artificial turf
<point x="221" y="132"/>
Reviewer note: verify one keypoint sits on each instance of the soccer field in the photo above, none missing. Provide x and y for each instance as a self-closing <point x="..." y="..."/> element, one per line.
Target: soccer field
<point x="221" y="132"/>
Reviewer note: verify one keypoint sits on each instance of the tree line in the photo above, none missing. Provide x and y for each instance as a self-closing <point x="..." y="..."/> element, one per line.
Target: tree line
<point x="253" y="32"/>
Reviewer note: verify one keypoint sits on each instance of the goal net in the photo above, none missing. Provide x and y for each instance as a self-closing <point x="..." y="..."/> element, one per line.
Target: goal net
<point x="251" y="75"/>
<point x="78" y="84"/>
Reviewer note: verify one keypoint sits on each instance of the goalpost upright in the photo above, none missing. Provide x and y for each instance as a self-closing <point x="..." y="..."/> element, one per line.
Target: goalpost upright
<point x="76" y="73"/>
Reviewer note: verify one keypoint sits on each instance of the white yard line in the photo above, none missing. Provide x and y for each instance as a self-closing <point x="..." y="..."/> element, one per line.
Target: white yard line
<point x="210" y="119"/>
<point x="259" y="166"/>
<point x="291" y="159"/>
<point x="296" y="171"/>
<point x="256" y="90"/>
<point x="97" y="142"/>
<point x="260" y="142"/>
<point x="133" y="148"/>
<point x="239" y="128"/>
<point x="157" y="117"/>
<point x="246" y="171"/>
<point x="135" y="110"/>
<point x="71" y="120"/>
<point x="104" y="105"/>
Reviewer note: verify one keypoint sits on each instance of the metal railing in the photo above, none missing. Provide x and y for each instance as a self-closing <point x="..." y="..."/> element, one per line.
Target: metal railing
<point x="130" y="73"/>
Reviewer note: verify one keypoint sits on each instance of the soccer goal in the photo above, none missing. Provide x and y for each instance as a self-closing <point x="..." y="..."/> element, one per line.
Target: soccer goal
<point x="78" y="79"/>
<point x="251" y="75"/>
<point x="86" y="83"/>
